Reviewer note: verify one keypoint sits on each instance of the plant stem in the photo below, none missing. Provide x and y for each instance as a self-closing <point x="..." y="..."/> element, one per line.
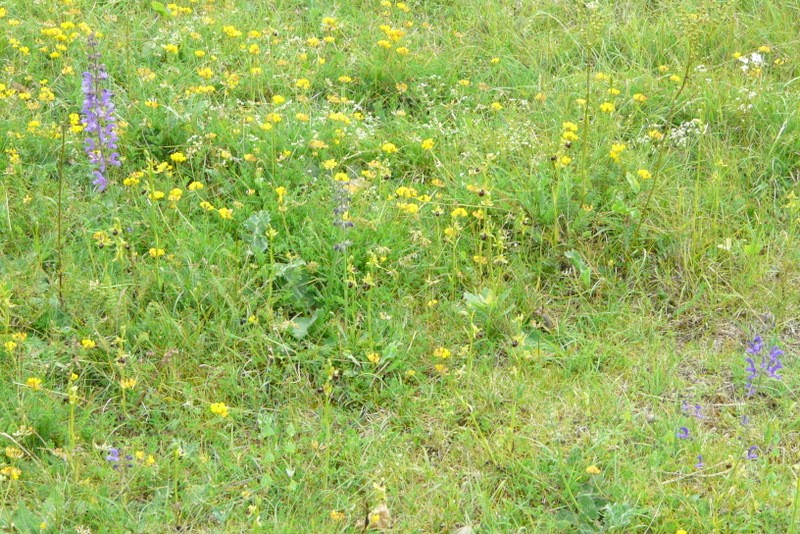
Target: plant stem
<point x="793" y="524"/>
<point x="585" y="144"/>
<point x="661" y="151"/>
<point x="60" y="235"/>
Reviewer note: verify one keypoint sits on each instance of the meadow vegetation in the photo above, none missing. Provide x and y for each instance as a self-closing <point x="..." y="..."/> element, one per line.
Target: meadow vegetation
<point x="316" y="266"/>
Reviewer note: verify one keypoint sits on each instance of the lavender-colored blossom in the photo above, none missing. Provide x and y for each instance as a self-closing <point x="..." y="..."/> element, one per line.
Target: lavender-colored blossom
<point x="754" y="347"/>
<point x="751" y="453"/>
<point x="98" y="118"/>
<point x="682" y="433"/>
<point x="752" y="371"/>
<point x="695" y="410"/>
<point x="770" y="364"/>
<point x="113" y="455"/>
<point x="699" y="464"/>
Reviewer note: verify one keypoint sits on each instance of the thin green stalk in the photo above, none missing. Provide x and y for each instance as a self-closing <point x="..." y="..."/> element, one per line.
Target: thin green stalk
<point x="346" y="296"/>
<point x="795" y="502"/>
<point x="270" y="279"/>
<point x="154" y="225"/>
<point x="585" y="145"/>
<point x="59" y="217"/>
<point x="661" y="150"/>
<point x="555" y="192"/>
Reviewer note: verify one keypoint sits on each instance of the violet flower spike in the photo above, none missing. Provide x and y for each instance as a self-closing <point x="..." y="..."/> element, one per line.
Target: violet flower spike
<point x="98" y="118"/>
<point x="113" y="455"/>
<point x="774" y="364"/>
<point x="751" y="369"/>
<point x="751" y="453"/>
<point x="682" y="433"/>
<point x="755" y="346"/>
<point x="699" y="464"/>
<point x="752" y="373"/>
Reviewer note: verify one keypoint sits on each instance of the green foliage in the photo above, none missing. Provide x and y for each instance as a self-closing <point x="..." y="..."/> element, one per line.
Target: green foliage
<point x="463" y="260"/>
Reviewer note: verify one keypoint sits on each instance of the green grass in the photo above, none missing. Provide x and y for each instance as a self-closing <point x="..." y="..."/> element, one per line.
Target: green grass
<point x="580" y="304"/>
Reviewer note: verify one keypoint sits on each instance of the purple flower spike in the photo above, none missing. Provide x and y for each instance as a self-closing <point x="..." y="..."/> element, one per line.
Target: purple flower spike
<point x="751" y="369"/>
<point x="699" y="464"/>
<point x="770" y="364"/>
<point x="113" y="455"/>
<point x="774" y="364"/>
<point x="751" y="453"/>
<point x="755" y="346"/>
<point x="98" y="118"/>
<point x="683" y="433"/>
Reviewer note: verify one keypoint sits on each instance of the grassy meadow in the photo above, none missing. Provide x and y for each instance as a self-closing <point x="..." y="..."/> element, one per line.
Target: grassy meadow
<point x="434" y="266"/>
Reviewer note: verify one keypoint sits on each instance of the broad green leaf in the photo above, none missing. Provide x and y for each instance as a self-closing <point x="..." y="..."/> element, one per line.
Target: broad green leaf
<point x="255" y="231"/>
<point x="159" y="8"/>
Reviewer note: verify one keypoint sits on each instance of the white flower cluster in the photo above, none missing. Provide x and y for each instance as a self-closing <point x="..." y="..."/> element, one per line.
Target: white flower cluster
<point x="755" y="59"/>
<point x="680" y="136"/>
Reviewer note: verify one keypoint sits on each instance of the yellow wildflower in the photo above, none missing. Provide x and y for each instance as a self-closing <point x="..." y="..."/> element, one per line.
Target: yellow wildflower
<point x="13" y="453"/>
<point x="219" y="408"/>
<point x="34" y="383"/>
<point x="442" y="353"/>
<point x="336" y="515"/>
<point x="11" y="472"/>
<point x="127" y="383"/>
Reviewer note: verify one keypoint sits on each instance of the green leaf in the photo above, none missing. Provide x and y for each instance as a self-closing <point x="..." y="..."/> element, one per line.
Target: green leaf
<point x="476" y="302"/>
<point x="284" y="269"/>
<point x="584" y="272"/>
<point x="618" y="515"/>
<point x="25" y="520"/>
<point x="159" y="8"/>
<point x="255" y="231"/>
<point x="301" y="325"/>
<point x="587" y="506"/>
<point x="633" y="182"/>
<point x="266" y="426"/>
